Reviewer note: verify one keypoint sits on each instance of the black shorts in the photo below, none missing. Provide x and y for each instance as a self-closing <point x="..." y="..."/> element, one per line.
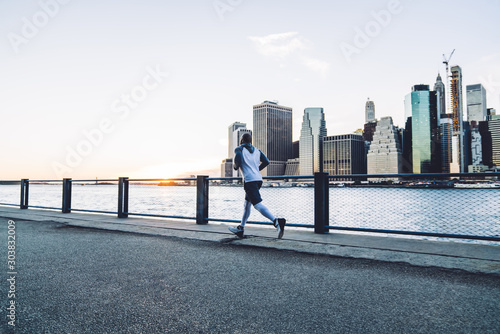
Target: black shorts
<point x="252" y="192"/>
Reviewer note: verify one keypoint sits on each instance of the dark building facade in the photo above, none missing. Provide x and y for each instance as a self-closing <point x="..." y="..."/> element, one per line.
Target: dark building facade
<point x="486" y="143"/>
<point x="407" y="144"/>
<point x="344" y="155"/>
<point x="272" y="134"/>
<point x="369" y="130"/>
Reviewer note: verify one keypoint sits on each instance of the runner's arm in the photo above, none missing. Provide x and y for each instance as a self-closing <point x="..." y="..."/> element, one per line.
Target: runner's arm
<point x="264" y="161"/>
<point x="237" y="158"/>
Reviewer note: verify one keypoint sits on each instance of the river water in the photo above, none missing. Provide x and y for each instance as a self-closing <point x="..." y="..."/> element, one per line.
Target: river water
<point x="448" y="211"/>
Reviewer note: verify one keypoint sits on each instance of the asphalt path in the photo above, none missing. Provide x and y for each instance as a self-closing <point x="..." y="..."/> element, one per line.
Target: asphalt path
<point x="80" y="280"/>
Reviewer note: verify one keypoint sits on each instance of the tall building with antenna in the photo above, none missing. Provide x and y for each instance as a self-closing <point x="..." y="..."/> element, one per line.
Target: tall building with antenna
<point x="370" y="121"/>
<point x="370" y="111"/>
<point x="439" y="87"/>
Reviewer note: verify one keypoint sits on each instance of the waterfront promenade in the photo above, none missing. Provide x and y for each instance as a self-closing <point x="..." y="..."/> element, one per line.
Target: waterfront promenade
<point x="78" y="273"/>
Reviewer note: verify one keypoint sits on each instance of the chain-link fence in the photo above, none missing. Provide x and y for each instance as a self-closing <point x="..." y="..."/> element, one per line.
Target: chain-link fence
<point x="10" y="193"/>
<point x="94" y="196"/>
<point x="450" y="205"/>
<point x="162" y="198"/>
<point x="45" y="194"/>
<point x="444" y="205"/>
<point x="291" y="199"/>
<point x="474" y="212"/>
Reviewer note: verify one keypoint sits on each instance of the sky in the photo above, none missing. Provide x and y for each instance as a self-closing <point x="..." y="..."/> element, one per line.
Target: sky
<point x="147" y="89"/>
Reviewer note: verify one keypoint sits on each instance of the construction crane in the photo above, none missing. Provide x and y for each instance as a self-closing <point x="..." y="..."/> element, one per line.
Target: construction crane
<point x="446" y="61"/>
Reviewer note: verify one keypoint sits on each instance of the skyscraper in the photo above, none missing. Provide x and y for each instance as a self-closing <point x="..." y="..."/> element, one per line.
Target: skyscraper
<point x="235" y="131"/>
<point x="445" y="135"/>
<point x="233" y="127"/>
<point x="272" y="126"/>
<point x="311" y="141"/>
<point x="494" y="129"/>
<point x="226" y="168"/>
<point x="456" y="98"/>
<point x="237" y="134"/>
<point x="344" y="155"/>
<point x="440" y="88"/>
<point x="476" y="103"/>
<point x="407" y="143"/>
<point x="458" y="158"/>
<point x="476" y="147"/>
<point x="370" y="111"/>
<point x="370" y="121"/>
<point x="385" y="154"/>
<point x="426" y="148"/>
<point x="486" y="143"/>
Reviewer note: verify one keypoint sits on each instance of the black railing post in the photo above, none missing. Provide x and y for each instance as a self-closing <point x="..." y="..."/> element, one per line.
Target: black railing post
<point x="202" y="199"/>
<point x="123" y="197"/>
<point x="66" y="195"/>
<point x="25" y="185"/>
<point x="321" y="203"/>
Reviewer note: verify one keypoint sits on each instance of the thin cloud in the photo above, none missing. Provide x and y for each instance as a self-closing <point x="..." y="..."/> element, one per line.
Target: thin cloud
<point x="317" y="65"/>
<point x="287" y="44"/>
<point x="488" y="58"/>
<point x="279" y="45"/>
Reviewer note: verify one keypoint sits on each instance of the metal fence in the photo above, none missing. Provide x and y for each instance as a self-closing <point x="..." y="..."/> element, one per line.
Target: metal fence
<point x="438" y="205"/>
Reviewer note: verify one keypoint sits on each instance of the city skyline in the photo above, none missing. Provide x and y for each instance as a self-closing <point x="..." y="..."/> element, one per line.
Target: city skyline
<point x="148" y="90"/>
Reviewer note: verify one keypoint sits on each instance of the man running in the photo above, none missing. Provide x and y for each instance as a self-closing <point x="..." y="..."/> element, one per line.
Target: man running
<point x="251" y="161"/>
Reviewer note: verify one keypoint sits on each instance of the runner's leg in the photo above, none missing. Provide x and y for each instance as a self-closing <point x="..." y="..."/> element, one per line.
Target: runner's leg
<point x="264" y="211"/>
<point x="246" y="213"/>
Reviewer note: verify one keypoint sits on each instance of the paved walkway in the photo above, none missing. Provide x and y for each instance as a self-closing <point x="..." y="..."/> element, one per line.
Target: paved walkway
<point x="471" y="257"/>
<point x="90" y="281"/>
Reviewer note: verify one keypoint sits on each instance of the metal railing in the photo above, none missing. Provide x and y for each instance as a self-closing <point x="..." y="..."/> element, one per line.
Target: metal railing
<point x="410" y="204"/>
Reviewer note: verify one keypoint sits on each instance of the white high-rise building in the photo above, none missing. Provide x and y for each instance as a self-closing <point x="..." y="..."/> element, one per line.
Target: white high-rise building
<point x="231" y="129"/>
<point x="385" y="155"/>
<point x="311" y="141"/>
<point x="370" y="111"/>
<point x="236" y="142"/>
<point x="235" y="131"/>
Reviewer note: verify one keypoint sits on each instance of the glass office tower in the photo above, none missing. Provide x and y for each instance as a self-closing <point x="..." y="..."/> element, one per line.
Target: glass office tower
<point x="426" y="148"/>
<point x="476" y="103"/>
<point x="311" y="141"/>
